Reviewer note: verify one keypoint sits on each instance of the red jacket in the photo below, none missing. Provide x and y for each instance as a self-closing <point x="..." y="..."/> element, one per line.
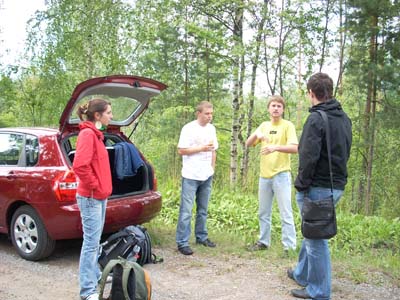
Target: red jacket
<point x="91" y="163"/>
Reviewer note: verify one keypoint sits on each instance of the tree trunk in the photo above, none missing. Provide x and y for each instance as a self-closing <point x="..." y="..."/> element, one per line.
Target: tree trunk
<point x="342" y="42"/>
<point x="207" y="57"/>
<point x="260" y="30"/>
<point x="324" y="37"/>
<point x="237" y="94"/>
<point x="186" y="66"/>
<point x="299" y="106"/>
<point x="369" y="134"/>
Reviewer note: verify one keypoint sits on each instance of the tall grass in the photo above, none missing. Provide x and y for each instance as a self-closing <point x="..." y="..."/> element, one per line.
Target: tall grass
<point x="361" y="242"/>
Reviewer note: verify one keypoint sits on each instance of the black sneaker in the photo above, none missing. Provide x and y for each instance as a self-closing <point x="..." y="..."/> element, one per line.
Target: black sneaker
<point x="206" y="243"/>
<point x="290" y="275"/>
<point x="257" y="247"/>
<point x="185" y="250"/>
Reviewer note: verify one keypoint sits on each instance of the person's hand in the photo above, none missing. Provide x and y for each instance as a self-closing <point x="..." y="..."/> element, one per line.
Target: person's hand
<point x="208" y="147"/>
<point x="261" y="137"/>
<point x="268" y="149"/>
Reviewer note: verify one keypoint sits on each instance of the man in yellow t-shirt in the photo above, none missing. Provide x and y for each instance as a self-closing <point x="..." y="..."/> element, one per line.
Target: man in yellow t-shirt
<point x="278" y="139"/>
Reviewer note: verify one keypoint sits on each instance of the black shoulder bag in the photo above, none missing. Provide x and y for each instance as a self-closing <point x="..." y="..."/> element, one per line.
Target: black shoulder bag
<point x="319" y="216"/>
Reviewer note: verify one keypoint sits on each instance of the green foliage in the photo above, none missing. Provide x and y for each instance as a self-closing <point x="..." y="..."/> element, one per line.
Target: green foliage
<point x="235" y="213"/>
<point x="7" y="98"/>
<point x="359" y="234"/>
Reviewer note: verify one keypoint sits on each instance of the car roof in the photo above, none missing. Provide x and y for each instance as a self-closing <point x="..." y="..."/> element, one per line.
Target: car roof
<point x="38" y="131"/>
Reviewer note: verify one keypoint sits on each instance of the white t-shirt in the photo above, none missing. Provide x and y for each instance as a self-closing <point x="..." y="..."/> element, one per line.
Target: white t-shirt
<point x="197" y="166"/>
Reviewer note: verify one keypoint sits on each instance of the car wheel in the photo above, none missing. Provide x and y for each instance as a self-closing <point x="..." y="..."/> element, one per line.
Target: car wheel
<point x="29" y="236"/>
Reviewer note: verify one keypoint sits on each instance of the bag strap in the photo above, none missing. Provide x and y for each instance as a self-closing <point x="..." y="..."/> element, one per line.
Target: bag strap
<point x="125" y="278"/>
<point x="328" y="143"/>
<point x="115" y="236"/>
<point x="107" y="270"/>
<point x="140" y="284"/>
<point x="147" y="253"/>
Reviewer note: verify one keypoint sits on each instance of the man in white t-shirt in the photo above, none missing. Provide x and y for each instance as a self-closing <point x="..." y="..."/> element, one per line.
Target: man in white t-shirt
<point x="197" y="145"/>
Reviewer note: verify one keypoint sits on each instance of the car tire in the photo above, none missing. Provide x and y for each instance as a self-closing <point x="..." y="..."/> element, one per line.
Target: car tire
<point x="29" y="236"/>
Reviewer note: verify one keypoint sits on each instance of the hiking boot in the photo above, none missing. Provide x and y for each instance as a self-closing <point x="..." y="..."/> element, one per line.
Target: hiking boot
<point x="257" y="247"/>
<point x="206" y="243"/>
<point x="186" y="250"/>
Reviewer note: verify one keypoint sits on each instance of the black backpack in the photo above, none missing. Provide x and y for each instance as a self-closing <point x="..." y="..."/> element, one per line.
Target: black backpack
<point x="132" y="243"/>
<point x="129" y="281"/>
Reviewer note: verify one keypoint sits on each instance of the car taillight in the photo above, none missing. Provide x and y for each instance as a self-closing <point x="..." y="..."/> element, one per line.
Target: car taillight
<point x="65" y="187"/>
<point x="154" y="183"/>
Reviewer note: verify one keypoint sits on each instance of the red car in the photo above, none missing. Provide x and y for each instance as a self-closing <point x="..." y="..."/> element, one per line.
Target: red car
<point x="38" y="185"/>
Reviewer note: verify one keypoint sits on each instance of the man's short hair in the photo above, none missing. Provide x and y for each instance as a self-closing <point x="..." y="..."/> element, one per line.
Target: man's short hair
<point x="202" y="105"/>
<point x="276" y="98"/>
<point x="321" y="85"/>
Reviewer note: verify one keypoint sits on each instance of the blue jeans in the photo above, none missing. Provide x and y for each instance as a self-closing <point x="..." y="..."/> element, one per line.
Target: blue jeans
<point x="93" y="213"/>
<point x="280" y="186"/>
<point x="314" y="266"/>
<point x="193" y="190"/>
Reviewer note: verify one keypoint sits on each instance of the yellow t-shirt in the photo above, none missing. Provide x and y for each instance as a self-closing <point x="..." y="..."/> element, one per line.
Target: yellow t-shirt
<point x="281" y="133"/>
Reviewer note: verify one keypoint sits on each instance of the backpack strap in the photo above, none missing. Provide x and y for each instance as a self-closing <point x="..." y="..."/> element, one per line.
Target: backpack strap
<point x="125" y="278"/>
<point x="146" y="254"/>
<point x="115" y="236"/>
<point x="142" y="283"/>
<point x="106" y="271"/>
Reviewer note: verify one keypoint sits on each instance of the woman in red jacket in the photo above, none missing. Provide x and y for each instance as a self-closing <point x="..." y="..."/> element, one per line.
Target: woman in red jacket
<point x="91" y="165"/>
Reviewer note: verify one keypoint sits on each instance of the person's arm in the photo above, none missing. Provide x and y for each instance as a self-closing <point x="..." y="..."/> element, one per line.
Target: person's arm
<point x="195" y="149"/>
<point x="251" y="140"/>
<point x="309" y="151"/>
<point x="255" y="138"/>
<point x="280" y="148"/>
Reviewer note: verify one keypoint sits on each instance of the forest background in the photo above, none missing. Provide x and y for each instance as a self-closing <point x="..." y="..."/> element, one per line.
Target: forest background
<point x="235" y="54"/>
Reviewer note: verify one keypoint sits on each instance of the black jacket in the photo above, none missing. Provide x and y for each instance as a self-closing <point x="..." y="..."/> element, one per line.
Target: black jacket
<point x="313" y="156"/>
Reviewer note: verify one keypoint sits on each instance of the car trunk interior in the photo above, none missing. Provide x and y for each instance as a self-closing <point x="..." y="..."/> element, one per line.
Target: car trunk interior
<point x="129" y="184"/>
<point x="139" y="183"/>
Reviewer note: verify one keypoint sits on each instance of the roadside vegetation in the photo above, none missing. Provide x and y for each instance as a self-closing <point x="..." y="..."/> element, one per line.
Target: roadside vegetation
<point x="365" y="250"/>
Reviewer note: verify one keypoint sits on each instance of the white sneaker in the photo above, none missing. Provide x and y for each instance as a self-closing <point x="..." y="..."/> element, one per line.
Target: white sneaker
<point x="108" y="279"/>
<point x="92" y="297"/>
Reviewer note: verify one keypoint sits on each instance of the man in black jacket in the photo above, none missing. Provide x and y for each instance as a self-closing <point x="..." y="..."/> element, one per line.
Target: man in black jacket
<point x="313" y="270"/>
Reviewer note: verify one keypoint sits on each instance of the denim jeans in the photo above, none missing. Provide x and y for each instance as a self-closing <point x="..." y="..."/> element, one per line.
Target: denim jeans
<point x="280" y="186"/>
<point x="93" y="214"/>
<point x="314" y="266"/>
<point x="193" y="190"/>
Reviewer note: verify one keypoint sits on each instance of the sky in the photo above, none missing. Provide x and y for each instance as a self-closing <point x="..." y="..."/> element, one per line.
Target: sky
<point x="14" y="15"/>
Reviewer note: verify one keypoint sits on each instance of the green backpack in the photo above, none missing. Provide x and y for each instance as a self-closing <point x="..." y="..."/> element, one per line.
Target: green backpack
<point x="129" y="281"/>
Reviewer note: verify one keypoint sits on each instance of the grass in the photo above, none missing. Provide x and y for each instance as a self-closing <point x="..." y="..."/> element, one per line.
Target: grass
<point x="366" y="249"/>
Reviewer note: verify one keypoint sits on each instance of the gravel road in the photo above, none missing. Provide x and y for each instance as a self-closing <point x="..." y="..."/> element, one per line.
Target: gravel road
<point x="199" y="277"/>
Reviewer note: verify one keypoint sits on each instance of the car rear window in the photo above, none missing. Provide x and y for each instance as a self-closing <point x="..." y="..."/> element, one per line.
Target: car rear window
<point x="122" y="107"/>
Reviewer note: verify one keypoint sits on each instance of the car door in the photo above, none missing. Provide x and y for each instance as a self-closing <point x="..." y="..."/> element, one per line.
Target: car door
<point x="12" y="162"/>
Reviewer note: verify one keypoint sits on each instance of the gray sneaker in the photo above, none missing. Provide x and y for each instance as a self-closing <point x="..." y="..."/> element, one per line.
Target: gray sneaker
<point x="257" y="247"/>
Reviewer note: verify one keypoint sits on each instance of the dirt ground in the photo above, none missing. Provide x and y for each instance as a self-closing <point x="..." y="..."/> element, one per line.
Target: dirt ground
<point x="201" y="276"/>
